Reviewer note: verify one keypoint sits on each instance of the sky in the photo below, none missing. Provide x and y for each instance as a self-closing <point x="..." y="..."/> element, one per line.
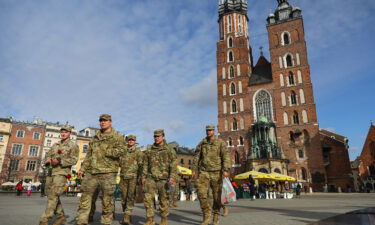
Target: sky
<point x="152" y="64"/>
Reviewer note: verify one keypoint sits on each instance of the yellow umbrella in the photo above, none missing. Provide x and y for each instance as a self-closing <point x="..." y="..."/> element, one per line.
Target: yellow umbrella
<point x="289" y="178"/>
<point x="184" y="171"/>
<point x="254" y="174"/>
<point x="278" y="176"/>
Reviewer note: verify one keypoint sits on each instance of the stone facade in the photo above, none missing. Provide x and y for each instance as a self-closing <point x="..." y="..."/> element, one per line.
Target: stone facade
<point x="5" y="129"/>
<point x="83" y="138"/>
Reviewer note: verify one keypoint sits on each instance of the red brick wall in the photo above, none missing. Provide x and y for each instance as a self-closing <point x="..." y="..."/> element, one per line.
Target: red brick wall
<point x="367" y="156"/>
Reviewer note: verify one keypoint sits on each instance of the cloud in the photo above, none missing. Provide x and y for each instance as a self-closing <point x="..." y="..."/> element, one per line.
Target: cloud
<point x="355" y="149"/>
<point x="330" y="129"/>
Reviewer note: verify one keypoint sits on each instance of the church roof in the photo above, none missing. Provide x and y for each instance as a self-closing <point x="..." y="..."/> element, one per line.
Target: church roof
<point x="262" y="72"/>
<point x="333" y="135"/>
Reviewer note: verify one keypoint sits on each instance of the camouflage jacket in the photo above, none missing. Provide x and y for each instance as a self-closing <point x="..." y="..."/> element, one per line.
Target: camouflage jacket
<point x="131" y="163"/>
<point x="159" y="162"/>
<point x="211" y="156"/>
<point x="103" y="154"/>
<point x="67" y="153"/>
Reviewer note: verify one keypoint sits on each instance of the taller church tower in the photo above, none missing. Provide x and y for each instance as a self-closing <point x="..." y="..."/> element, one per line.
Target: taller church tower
<point x="233" y="71"/>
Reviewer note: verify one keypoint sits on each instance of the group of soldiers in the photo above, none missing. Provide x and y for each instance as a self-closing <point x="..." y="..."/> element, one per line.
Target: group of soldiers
<point x="155" y="169"/>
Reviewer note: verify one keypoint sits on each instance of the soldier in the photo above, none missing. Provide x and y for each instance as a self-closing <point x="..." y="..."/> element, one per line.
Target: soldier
<point x="99" y="169"/>
<point x="211" y="163"/>
<point x="131" y="168"/>
<point x="59" y="160"/>
<point x="159" y="172"/>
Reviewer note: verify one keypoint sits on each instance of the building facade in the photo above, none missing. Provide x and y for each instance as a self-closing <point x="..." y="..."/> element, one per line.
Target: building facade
<point x="266" y="110"/>
<point x="5" y="129"/>
<point x="83" y="138"/>
<point x="366" y="165"/>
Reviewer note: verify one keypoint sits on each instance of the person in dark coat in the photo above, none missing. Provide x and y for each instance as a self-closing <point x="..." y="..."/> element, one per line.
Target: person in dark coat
<point x="251" y="187"/>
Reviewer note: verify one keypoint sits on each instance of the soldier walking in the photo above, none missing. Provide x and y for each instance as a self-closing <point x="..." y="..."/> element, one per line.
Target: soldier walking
<point x="131" y="168"/>
<point x="59" y="160"/>
<point x="159" y="172"/>
<point x="99" y="169"/>
<point x="211" y="163"/>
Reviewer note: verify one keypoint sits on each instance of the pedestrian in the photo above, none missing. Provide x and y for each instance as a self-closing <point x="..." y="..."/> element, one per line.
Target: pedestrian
<point x="59" y="160"/>
<point x="28" y="188"/>
<point x="262" y="190"/>
<point x="43" y="185"/>
<point x="211" y="163"/>
<point x="19" y="188"/>
<point x="159" y="174"/>
<point x="131" y="168"/>
<point x="99" y="170"/>
<point x="251" y="187"/>
<point x="298" y="191"/>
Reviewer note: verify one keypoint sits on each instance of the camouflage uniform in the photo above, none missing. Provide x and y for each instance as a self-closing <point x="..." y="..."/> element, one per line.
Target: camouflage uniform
<point x="100" y="167"/>
<point x="173" y="198"/>
<point x="210" y="161"/>
<point x="67" y="153"/>
<point x="131" y="167"/>
<point x="159" y="165"/>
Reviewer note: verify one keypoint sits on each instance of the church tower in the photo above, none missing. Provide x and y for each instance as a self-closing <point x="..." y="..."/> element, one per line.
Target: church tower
<point x="233" y="71"/>
<point x="295" y="111"/>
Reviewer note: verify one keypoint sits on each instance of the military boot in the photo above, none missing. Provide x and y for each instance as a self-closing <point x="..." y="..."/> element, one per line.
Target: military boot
<point x="163" y="220"/>
<point x="215" y="220"/>
<point x="43" y="223"/>
<point x="127" y="220"/>
<point x="225" y="211"/>
<point x="150" y="221"/>
<point x="206" y="218"/>
<point x="60" y="220"/>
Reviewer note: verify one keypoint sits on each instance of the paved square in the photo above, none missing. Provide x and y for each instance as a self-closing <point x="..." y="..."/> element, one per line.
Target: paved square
<point x="310" y="208"/>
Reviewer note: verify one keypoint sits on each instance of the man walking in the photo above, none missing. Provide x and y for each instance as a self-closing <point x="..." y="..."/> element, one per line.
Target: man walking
<point x="159" y="172"/>
<point x="131" y="167"/>
<point x="59" y="160"/>
<point x="99" y="169"/>
<point x="211" y="163"/>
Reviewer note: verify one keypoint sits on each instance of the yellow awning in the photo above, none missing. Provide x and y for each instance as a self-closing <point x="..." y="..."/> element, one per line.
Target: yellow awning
<point x="281" y="177"/>
<point x="184" y="171"/>
<point x="254" y="174"/>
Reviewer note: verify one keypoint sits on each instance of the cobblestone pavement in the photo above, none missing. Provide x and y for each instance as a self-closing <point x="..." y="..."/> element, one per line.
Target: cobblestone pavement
<point x="310" y="208"/>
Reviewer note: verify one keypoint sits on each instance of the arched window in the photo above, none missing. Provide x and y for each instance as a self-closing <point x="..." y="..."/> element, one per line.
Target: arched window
<point x="241" y="141"/>
<point x="223" y="73"/>
<point x="224" y="90"/>
<point x="231" y="72"/>
<point x="286" y="38"/>
<point x="234" y="125"/>
<point x="304" y="173"/>
<point x="263" y="105"/>
<point x="281" y="80"/>
<point x="263" y="170"/>
<point x="286" y="119"/>
<point x="232" y="88"/>
<point x="300" y="154"/>
<point x="226" y="125"/>
<point x="238" y="70"/>
<point x="291" y="78"/>
<point x="295" y="118"/>
<point x="277" y="170"/>
<point x="224" y="107"/>
<point x="302" y="96"/>
<point x="230" y="56"/>
<point x="234" y="106"/>
<point x="236" y="158"/>
<point x="229" y="24"/>
<point x="293" y="98"/>
<point x="230" y="42"/>
<point x="291" y="137"/>
<point x="289" y="61"/>
<point x="304" y="116"/>
<point x="299" y="75"/>
<point x="242" y="123"/>
<point x="283" y="99"/>
<point x="230" y="142"/>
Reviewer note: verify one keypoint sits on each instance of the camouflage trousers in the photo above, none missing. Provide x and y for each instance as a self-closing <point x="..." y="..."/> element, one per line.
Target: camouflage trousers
<point x="54" y="188"/>
<point x="151" y="188"/>
<point x="107" y="184"/>
<point x="128" y="193"/>
<point x="93" y="202"/>
<point x="205" y="182"/>
<point x="174" y="194"/>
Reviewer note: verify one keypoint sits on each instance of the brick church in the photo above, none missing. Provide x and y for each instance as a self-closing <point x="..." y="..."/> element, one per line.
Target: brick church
<point x="266" y="108"/>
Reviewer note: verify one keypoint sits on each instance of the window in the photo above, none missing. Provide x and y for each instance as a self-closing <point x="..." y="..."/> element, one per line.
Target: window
<point x="300" y="154"/>
<point x="263" y="170"/>
<point x="238" y="70"/>
<point x="291" y="137"/>
<point x="276" y="170"/>
<point x="189" y="161"/>
<point x="236" y="158"/>
<point x="293" y="98"/>
<point x="14" y="164"/>
<point x="283" y="99"/>
<point x="291" y="78"/>
<point x="229" y="24"/>
<point x="286" y="38"/>
<point x="230" y="142"/>
<point x="31" y="165"/>
<point x="241" y="105"/>
<point x="1" y="138"/>
<point x="231" y="72"/>
<point x="234" y="106"/>
<point x="286" y="120"/>
<point x="304" y="116"/>
<point x="232" y="88"/>
<point x="299" y="75"/>
<point x="226" y="125"/>
<point x="49" y="143"/>
<point x="87" y="133"/>
<point x="263" y="105"/>
<point x="85" y="148"/>
<point x="36" y="136"/>
<point x="295" y="118"/>
<point x="289" y="61"/>
<point x="242" y="123"/>
<point x="223" y="73"/>
<point x="224" y="90"/>
<point x="20" y="133"/>
<point x="304" y="173"/>
<point x="17" y="149"/>
<point x="241" y="141"/>
<point x="239" y="24"/>
<point x="182" y="161"/>
<point x="224" y="107"/>
<point x="230" y="56"/>
<point x="281" y="80"/>
<point x="302" y="96"/>
<point x="230" y="42"/>
<point x="240" y="87"/>
<point x="234" y="125"/>
<point x="33" y="150"/>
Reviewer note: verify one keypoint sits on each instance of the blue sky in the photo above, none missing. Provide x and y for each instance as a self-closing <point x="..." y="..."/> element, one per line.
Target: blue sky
<point x="152" y="64"/>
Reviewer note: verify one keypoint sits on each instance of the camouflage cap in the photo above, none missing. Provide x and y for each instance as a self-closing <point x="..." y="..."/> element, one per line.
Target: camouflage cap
<point x="159" y="132"/>
<point x="105" y="117"/>
<point x="131" y="137"/>
<point x="210" y="127"/>
<point x="66" y="128"/>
